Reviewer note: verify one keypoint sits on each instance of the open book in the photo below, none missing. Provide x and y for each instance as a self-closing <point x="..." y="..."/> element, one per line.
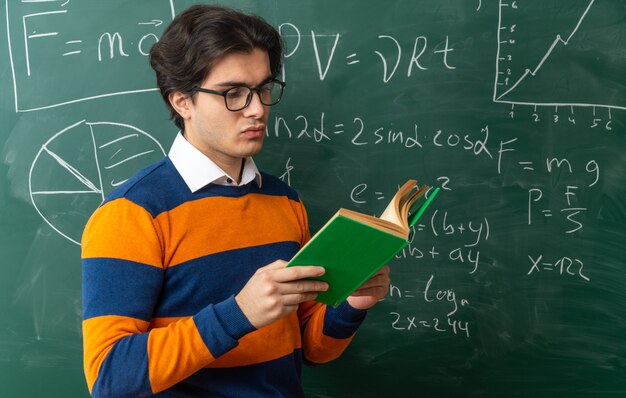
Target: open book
<point x="353" y="246"/>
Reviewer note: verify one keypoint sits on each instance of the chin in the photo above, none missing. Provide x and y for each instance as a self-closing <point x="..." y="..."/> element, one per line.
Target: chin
<point x="248" y="152"/>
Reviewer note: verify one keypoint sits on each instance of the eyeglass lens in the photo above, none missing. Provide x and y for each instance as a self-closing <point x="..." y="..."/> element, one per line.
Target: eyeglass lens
<point x="238" y="98"/>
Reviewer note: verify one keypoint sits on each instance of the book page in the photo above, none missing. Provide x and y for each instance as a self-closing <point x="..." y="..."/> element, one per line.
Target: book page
<point x="384" y="225"/>
<point x="393" y="211"/>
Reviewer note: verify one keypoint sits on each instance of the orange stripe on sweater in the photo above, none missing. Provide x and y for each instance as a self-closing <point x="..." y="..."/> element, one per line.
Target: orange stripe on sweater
<point x="216" y="224"/>
<point x="175" y="352"/>
<point x="319" y="348"/>
<point x="122" y="229"/>
<point x="270" y="342"/>
<point x="99" y="336"/>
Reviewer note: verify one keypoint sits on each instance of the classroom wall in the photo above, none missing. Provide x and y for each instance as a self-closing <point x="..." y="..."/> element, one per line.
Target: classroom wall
<point x="514" y="282"/>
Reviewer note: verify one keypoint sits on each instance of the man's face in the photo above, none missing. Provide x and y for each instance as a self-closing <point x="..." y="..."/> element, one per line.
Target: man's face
<point x="225" y="136"/>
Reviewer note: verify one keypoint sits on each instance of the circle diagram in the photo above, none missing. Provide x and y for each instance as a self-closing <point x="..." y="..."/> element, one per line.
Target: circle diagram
<point x="80" y="165"/>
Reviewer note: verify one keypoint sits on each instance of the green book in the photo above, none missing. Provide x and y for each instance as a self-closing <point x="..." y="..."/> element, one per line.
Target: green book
<point x="353" y="246"/>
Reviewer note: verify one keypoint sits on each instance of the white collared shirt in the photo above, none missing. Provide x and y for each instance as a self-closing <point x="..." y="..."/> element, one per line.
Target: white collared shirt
<point x="198" y="170"/>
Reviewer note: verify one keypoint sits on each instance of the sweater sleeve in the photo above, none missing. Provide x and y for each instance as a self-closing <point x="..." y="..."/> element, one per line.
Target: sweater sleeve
<point x="327" y="331"/>
<point x="123" y="273"/>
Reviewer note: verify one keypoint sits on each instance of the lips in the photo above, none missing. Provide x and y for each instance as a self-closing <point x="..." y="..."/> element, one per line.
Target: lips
<point x="255" y="131"/>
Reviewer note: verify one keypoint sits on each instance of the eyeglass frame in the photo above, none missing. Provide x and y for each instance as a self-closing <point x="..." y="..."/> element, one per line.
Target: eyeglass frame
<point x="248" y="98"/>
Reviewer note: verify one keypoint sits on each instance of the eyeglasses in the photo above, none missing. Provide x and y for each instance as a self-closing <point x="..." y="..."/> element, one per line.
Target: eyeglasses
<point x="239" y="97"/>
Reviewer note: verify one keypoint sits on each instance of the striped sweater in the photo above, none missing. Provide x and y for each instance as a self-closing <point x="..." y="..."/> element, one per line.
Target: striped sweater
<point x="161" y="266"/>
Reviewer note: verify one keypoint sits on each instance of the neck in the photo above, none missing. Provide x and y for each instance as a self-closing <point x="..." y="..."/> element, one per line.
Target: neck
<point x="233" y="166"/>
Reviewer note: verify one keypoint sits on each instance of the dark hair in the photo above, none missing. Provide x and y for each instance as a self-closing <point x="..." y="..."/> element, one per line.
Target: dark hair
<point x="198" y="37"/>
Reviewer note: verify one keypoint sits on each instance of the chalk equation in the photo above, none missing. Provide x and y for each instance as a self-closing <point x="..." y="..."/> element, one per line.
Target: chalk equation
<point x="501" y="154"/>
<point x="564" y="266"/>
<point x="58" y="57"/>
<point x="587" y="177"/>
<point x="467" y="237"/>
<point x="445" y="299"/>
<point x="360" y="133"/>
<point x="47" y="43"/>
<point x="389" y="52"/>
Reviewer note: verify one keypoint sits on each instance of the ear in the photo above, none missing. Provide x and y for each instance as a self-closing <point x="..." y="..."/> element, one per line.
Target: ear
<point x="181" y="103"/>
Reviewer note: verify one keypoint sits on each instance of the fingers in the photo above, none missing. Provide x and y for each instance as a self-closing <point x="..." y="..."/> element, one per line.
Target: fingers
<point x="372" y="291"/>
<point x="292" y="280"/>
<point x="296" y="299"/>
<point x="302" y="286"/>
<point x="381" y="278"/>
<point x="369" y="291"/>
<point x="295" y="288"/>
<point x="275" y="265"/>
<point x="384" y="270"/>
<point x="377" y="286"/>
<point x="297" y="272"/>
<point x="275" y="290"/>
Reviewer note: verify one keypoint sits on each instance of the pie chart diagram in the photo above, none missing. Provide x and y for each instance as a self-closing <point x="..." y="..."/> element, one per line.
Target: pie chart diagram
<point x="80" y="165"/>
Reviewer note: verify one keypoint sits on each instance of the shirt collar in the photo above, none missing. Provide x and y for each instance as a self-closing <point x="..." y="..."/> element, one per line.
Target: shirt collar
<point x="198" y="170"/>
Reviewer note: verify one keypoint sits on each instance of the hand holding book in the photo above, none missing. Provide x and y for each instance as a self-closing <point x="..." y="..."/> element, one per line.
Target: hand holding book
<point x="372" y="291"/>
<point x="353" y="246"/>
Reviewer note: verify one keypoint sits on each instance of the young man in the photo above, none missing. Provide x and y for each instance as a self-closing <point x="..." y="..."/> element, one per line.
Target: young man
<point x="185" y="290"/>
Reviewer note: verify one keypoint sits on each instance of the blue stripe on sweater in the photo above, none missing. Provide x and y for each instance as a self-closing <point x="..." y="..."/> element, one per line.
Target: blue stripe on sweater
<point x="189" y="286"/>
<point x="221" y="326"/>
<point x="114" y="379"/>
<point x="268" y="379"/>
<point x="120" y="287"/>
<point x="342" y="322"/>
<point x="159" y="188"/>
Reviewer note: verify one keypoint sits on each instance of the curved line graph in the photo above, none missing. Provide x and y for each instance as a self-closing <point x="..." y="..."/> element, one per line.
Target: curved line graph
<point x="558" y="42"/>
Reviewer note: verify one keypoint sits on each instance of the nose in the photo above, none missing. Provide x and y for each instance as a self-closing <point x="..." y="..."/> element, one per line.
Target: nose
<point x="255" y="109"/>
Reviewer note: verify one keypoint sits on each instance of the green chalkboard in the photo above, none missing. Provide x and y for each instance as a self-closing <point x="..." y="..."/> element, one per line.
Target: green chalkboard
<point x="515" y="282"/>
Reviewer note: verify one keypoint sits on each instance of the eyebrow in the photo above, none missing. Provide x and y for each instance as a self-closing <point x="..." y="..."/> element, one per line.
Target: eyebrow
<point x="232" y="83"/>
